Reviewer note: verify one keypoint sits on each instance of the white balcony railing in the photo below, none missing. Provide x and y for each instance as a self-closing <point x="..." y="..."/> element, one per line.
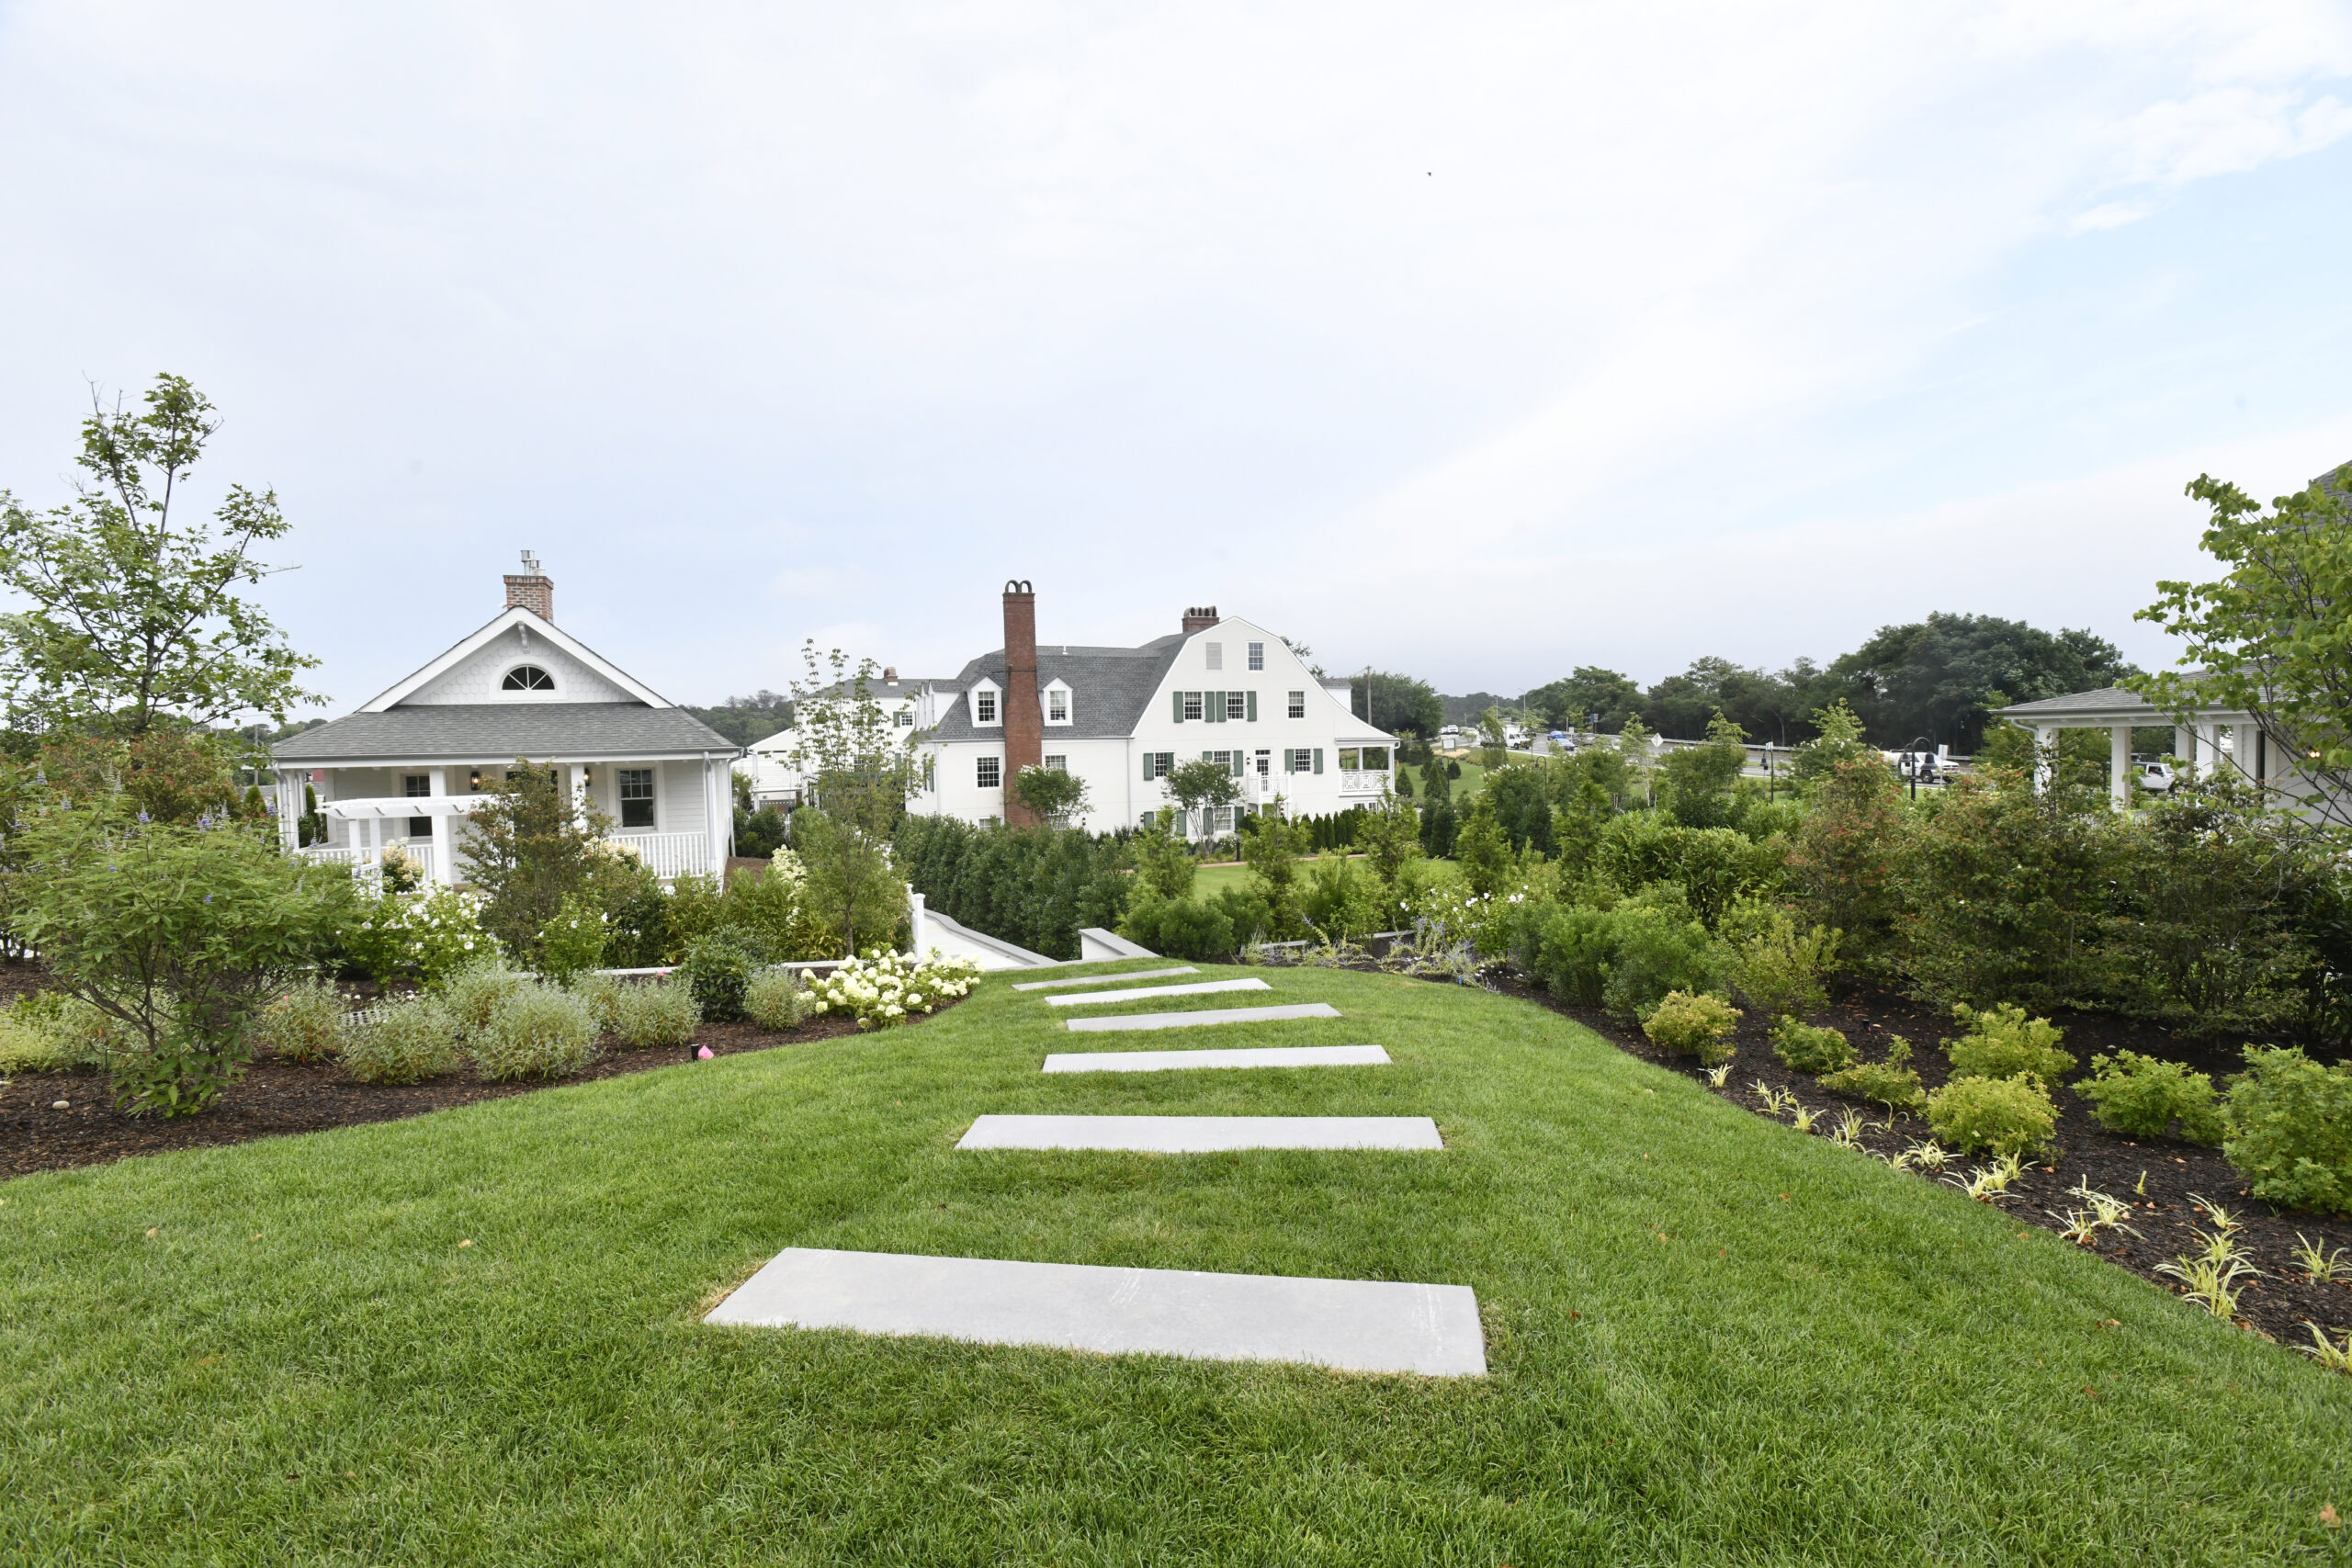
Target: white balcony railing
<point x="671" y="854"/>
<point x="1361" y="781"/>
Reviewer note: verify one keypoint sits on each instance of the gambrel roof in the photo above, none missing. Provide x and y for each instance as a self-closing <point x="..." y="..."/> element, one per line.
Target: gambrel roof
<point x="1110" y="688"/>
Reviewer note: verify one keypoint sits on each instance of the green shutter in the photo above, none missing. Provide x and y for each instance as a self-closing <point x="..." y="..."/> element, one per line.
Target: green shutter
<point x="1147" y="767"/>
<point x="1253" y="707"/>
<point x="1216" y="707"/>
<point x="1179" y="698"/>
<point x="1318" y="758"/>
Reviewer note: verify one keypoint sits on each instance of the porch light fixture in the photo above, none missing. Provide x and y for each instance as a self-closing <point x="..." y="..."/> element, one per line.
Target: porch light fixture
<point x="473" y="781"/>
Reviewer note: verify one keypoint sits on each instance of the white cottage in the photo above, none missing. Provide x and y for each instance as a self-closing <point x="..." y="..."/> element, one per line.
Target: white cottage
<point x="410" y="764"/>
<point x="1120" y="718"/>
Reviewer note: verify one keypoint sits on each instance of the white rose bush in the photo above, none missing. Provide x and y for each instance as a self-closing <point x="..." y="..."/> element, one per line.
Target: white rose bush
<point x="883" y="988"/>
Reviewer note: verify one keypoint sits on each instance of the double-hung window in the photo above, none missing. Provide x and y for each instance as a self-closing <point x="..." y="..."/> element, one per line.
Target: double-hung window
<point x="1236" y="705"/>
<point x="1189" y="707"/>
<point x="636" y="791"/>
<point x="1057" y="761"/>
<point x="1298" y="704"/>
<point x="989" y="773"/>
<point x="1303" y="759"/>
<point x="413" y="786"/>
<point x="1257" y="656"/>
<point x="1056" y="707"/>
<point x="983" y="707"/>
<point x="1158" y="765"/>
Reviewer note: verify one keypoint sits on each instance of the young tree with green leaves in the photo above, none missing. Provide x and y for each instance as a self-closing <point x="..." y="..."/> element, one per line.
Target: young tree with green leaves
<point x="180" y="933"/>
<point x="1203" y="783"/>
<point x="1273" y="849"/>
<point x="1483" y="848"/>
<point x="531" y="848"/>
<point x="860" y="765"/>
<point x="1055" y="795"/>
<point x="1389" y="834"/>
<point x="1493" y="748"/>
<point x="2274" y="633"/>
<point x="135" y="617"/>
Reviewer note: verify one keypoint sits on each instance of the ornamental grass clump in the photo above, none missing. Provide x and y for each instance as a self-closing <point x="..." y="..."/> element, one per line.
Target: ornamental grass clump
<point x="1805" y="1049"/>
<point x="537" y="1032"/>
<point x="884" y="988"/>
<point x="307" y="1023"/>
<point x="2002" y="1042"/>
<point x="403" y="1041"/>
<point x="2141" y="1097"/>
<point x="656" y="1013"/>
<point x="2006" y="1115"/>
<point x="1696" y="1022"/>
<point x="775" y="998"/>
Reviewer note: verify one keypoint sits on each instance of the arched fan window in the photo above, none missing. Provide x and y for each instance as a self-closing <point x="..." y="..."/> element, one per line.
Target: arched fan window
<point x="528" y="678"/>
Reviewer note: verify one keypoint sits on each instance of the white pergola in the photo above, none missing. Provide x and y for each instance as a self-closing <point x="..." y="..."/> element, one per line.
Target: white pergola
<point x="2217" y="738"/>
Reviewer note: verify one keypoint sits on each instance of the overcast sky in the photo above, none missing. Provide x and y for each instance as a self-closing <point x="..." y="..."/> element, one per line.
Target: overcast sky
<point x="1472" y="341"/>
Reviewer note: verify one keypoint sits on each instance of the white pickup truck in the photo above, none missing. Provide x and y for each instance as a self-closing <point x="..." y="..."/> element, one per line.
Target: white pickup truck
<point x="2153" y="773"/>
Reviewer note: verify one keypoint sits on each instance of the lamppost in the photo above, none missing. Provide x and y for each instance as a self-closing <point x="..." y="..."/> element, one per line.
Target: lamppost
<point x="1913" y="755"/>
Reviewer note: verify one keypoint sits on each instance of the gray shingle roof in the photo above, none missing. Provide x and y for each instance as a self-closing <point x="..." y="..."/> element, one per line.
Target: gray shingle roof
<point x="474" y="732"/>
<point x="1109" y="687"/>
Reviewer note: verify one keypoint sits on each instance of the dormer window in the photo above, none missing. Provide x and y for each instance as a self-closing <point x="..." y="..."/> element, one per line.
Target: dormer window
<point x="1057" y="704"/>
<point x="528" y="678"/>
<point x="985" y="708"/>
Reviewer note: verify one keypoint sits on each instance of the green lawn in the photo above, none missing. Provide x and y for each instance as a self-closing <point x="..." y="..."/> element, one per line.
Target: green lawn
<point x="1711" y="1339"/>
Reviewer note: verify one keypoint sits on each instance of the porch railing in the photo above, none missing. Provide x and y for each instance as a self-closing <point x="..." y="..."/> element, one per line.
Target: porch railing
<point x="671" y="854"/>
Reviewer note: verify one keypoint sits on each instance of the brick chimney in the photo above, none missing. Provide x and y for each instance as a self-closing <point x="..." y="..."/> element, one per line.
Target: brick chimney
<point x="1200" y="619"/>
<point x="1025" y="721"/>
<point x="533" y="590"/>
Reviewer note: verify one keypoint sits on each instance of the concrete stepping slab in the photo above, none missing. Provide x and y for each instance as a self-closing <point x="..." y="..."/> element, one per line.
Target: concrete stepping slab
<point x="1243" y="1056"/>
<point x="1363" y="1326"/>
<point x="1201" y="1135"/>
<point x="1202" y="1019"/>
<point x="1107" y="979"/>
<point x="1205" y="988"/>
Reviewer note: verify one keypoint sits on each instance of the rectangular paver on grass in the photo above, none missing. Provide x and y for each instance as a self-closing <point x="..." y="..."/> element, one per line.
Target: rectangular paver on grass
<point x="1241" y="1056"/>
<point x="1204" y="988"/>
<point x="1201" y="1019"/>
<point x="1363" y="1326"/>
<point x="1107" y="979"/>
<point x="1201" y="1135"/>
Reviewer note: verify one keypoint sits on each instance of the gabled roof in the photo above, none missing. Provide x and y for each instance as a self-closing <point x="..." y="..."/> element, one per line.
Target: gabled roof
<point x="2117" y="705"/>
<point x="1111" y="688"/>
<point x="486" y="732"/>
<point x="505" y="621"/>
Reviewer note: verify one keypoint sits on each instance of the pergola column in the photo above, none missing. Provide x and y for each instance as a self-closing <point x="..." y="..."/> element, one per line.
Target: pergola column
<point x="2042" y="737"/>
<point x="2118" y="766"/>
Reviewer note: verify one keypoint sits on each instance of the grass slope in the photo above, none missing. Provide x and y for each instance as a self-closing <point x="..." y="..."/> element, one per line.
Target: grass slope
<point x="1713" y="1340"/>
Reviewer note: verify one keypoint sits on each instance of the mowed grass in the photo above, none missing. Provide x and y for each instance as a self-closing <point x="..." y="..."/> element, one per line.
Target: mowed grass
<point x="1710" y="1339"/>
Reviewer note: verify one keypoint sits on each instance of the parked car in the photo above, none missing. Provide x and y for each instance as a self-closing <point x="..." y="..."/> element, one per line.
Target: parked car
<point x="2153" y="773"/>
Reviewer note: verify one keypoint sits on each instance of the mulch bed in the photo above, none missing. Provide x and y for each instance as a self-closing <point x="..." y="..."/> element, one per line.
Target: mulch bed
<point x="2165" y="1210"/>
<point x="277" y="1097"/>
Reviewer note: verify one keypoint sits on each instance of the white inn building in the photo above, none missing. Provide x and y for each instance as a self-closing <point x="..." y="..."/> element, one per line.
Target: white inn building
<point x="1121" y="718"/>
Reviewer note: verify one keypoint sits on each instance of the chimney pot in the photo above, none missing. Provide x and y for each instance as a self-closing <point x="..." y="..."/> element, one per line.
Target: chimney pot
<point x="1200" y="619"/>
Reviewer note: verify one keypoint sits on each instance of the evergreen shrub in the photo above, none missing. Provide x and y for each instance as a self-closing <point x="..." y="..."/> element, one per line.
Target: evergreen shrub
<point x="1776" y="964"/>
<point x="2142" y="1095"/>
<point x="718" y="970"/>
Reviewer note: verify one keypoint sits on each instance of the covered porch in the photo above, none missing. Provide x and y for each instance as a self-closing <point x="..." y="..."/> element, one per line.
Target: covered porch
<point x="2217" y="740"/>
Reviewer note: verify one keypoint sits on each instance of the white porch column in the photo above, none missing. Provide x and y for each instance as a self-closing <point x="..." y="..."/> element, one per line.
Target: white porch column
<point x="2043" y="736"/>
<point x="2184" y="752"/>
<point x="445" y="828"/>
<point x="2208" y="750"/>
<point x="2118" y="766"/>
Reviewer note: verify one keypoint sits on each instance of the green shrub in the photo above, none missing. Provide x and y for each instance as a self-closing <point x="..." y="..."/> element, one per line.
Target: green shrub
<point x="656" y="1013"/>
<point x="24" y="1048"/>
<point x="2141" y="1096"/>
<point x="1658" y="946"/>
<point x="1889" y="1083"/>
<point x="537" y="1033"/>
<point x="1698" y="1023"/>
<point x="716" y="969"/>
<point x="601" y="993"/>
<point x="307" y="1023"/>
<point x="1805" y="1049"/>
<point x="2002" y="1042"/>
<point x="775" y="998"/>
<point x="2004" y="1115"/>
<point x="573" y="942"/>
<point x="473" y="995"/>
<point x="1775" y="964"/>
<point x="2290" y="1130"/>
<point x="403" y="1041"/>
<point x="1180" y="927"/>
